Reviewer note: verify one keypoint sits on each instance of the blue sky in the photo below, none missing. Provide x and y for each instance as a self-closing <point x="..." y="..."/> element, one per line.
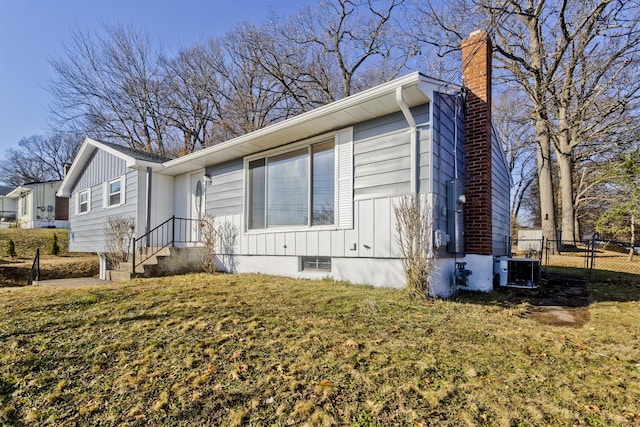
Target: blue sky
<point x="32" y="32"/>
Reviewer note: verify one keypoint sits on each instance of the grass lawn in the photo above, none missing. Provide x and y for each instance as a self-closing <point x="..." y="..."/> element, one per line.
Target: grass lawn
<point x="271" y="351"/>
<point x="27" y="240"/>
<point x="14" y="271"/>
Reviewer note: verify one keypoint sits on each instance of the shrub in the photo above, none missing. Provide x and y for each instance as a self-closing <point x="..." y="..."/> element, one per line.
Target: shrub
<point x="118" y="233"/>
<point x="11" y="249"/>
<point x="209" y="236"/>
<point x="54" y="248"/>
<point x="414" y="222"/>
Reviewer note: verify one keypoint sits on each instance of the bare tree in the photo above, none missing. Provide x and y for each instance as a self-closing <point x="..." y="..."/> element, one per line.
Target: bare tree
<point x="39" y="158"/>
<point x="512" y="119"/>
<point x="571" y="59"/>
<point x="109" y="85"/>
<point x="592" y="97"/>
<point x="252" y="99"/>
<point x="192" y="94"/>
<point x="357" y="39"/>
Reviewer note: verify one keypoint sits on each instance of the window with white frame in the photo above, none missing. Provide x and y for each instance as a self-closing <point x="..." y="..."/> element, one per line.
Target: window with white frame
<point x="293" y="188"/>
<point x="83" y="202"/>
<point x="114" y="192"/>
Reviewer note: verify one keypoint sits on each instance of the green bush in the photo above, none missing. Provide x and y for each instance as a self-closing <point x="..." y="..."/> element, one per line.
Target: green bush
<point x="11" y="249"/>
<point x="54" y="248"/>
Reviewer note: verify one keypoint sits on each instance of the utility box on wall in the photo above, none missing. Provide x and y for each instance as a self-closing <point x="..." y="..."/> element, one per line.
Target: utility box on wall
<point x="455" y="217"/>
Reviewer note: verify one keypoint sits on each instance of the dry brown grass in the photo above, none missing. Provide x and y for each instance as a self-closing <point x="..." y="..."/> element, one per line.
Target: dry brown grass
<point x="259" y="350"/>
<point x="14" y="271"/>
<point x="27" y="240"/>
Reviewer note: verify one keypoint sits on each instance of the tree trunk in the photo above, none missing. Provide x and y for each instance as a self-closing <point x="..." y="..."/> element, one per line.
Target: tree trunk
<point x="547" y="206"/>
<point x="565" y="168"/>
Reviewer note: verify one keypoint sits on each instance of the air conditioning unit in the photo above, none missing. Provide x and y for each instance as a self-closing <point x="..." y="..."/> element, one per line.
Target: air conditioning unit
<point x="516" y="272"/>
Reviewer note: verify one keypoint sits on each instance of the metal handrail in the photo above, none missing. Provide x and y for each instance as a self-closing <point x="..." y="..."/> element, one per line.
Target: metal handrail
<point x="172" y="231"/>
<point x="34" y="273"/>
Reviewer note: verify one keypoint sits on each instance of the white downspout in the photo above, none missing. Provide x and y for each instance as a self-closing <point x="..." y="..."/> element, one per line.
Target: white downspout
<point x="414" y="139"/>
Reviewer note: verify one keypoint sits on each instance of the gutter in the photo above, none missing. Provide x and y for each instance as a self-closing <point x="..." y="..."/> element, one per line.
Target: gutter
<point x="413" y="128"/>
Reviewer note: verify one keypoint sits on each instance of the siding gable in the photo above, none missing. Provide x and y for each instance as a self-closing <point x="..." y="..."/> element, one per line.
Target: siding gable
<point x="86" y="229"/>
<point x="100" y="168"/>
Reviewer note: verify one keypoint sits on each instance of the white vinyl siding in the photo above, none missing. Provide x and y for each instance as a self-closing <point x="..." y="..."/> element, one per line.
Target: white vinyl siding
<point x="86" y="234"/>
<point x="501" y="188"/>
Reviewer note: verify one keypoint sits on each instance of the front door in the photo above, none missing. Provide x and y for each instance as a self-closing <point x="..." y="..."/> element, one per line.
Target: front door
<point x="197" y="205"/>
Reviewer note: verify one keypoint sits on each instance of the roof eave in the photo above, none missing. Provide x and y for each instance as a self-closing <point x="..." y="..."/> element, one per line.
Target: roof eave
<point x="375" y="102"/>
<point x="17" y="192"/>
<point x="84" y="154"/>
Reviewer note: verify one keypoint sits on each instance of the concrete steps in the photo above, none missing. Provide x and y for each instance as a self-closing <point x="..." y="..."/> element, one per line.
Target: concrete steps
<point x="168" y="261"/>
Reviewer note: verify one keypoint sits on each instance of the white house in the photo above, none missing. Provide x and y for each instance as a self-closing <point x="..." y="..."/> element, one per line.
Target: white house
<point x="314" y="195"/>
<point x="7" y="207"/>
<point x="38" y="206"/>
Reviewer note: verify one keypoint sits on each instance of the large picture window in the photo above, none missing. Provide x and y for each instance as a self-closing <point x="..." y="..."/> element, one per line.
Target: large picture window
<point x="293" y="188"/>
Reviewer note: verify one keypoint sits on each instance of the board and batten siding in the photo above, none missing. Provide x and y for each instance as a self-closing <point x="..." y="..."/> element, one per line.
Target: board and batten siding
<point x="373" y="236"/>
<point x="101" y="167"/>
<point x="381" y="176"/>
<point x="501" y="191"/>
<point x="86" y="233"/>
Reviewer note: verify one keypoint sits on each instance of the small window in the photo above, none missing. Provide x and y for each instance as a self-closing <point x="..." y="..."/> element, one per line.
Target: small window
<point x="83" y="201"/>
<point x="315" y="263"/>
<point x="114" y="192"/>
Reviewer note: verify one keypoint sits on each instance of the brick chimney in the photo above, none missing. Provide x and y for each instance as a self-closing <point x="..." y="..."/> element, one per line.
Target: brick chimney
<point x="476" y="75"/>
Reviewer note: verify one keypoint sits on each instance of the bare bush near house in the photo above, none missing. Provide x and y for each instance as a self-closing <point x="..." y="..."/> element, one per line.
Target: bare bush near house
<point x="413" y="226"/>
<point x="209" y="236"/>
<point x="228" y="241"/>
<point x="118" y="235"/>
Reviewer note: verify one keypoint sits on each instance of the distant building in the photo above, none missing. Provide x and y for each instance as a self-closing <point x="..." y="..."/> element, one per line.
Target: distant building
<point x="529" y="240"/>
<point x="37" y="206"/>
<point x="8" y="207"/>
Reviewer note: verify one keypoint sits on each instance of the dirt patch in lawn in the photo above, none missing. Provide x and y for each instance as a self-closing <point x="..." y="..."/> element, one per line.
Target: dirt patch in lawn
<point x="562" y="302"/>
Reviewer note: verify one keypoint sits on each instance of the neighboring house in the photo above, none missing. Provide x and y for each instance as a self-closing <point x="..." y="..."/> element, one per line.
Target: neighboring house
<point x="38" y="206"/>
<point x="7" y="207"/>
<point x="313" y="196"/>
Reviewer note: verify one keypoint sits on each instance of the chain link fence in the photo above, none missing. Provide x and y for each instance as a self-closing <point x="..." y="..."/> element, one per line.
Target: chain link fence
<point x="590" y="259"/>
